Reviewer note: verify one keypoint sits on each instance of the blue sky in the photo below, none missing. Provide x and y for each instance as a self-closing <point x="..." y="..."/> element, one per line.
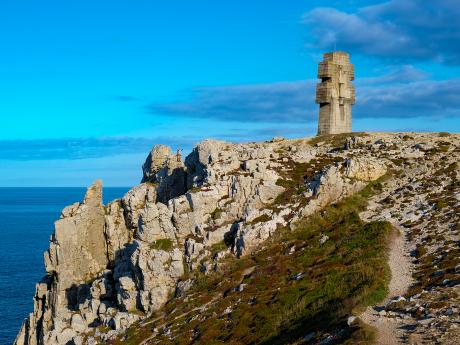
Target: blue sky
<point x="88" y="87"/>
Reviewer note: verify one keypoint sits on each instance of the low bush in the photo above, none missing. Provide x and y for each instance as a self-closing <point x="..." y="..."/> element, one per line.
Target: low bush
<point x="163" y="244"/>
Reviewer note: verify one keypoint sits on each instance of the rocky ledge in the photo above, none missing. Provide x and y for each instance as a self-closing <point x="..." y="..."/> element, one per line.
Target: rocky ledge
<point x="109" y="266"/>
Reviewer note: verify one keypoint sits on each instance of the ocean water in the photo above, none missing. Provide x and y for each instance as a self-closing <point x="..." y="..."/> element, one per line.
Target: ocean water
<point x="27" y="216"/>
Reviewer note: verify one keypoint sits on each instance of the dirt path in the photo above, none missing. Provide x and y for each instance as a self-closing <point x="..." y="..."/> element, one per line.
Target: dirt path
<point x="401" y="278"/>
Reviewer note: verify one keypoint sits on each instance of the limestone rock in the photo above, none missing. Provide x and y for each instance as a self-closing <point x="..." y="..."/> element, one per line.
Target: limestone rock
<point x="167" y="171"/>
<point x="249" y="236"/>
<point x="146" y="276"/>
<point x="134" y="201"/>
<point x="183" y="286"/>
<point x="156" y="160"/>
<point x="155" y="223"/>
<point x="364" y="169"/>
<point x="78" y="247"/>
<point x="116" y="232"/>
<point x="127" y="293"/>
<point x="204" y="155"/>
<point x="78" y="324"/>
<point x="227" y="195"/>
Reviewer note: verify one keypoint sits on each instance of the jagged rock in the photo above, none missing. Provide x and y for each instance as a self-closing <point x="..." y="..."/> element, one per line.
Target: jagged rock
<point x="108" y="259"/>
<point x="166" y="170"/>
<point x="135" y="200"/>
<point x="78" y="247"/>
<point x="225" y="232"/>
<point x="101" y="287"/>
<point x="205" y="155"/>
<point x="351" y="320"/>
<point x="194" y="251"/>
<point x="156" y="160"/>
<point x="182" y="287"/>
<point x="127" y="293"/>
<point x="123" y="320"/>
<point x="70" y="211"/>
<point x="147" y="275"/>
<point x="155" y="223"/>
<point x="65" y="336"/>
<point x="116" y="232"/>
<point x="183" y="217"/>
<point x="328" y="187"/>
<point x="78" y="324"/>
<point x="249" y="236"/>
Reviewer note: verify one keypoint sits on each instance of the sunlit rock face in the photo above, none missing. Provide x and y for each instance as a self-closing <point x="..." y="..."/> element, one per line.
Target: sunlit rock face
<point x="109" y="266"/>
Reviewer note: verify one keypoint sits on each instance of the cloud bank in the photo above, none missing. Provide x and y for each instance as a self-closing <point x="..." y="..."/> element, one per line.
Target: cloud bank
<point x="408" y="30"/>
<point x="402" y="93"/>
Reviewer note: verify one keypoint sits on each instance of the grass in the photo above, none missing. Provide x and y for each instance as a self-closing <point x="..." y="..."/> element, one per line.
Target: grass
<point x="340" y="277"/>
<point x="295" y="174"/>
<point x="444" y="146"/>
<point x="261" y="219"/>
<point x="444" y="134"/>
<point x="163" y="244"/>
<point x="335" y="140"/>
<point x="216" y="213"/>
<point x="218" y="247"/>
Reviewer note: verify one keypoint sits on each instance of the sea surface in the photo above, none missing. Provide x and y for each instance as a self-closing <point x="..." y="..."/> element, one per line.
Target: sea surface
<point x="27" y="216"/>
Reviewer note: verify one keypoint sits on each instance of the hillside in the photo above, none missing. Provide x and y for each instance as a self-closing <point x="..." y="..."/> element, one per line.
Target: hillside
<point x="287" y="241"/>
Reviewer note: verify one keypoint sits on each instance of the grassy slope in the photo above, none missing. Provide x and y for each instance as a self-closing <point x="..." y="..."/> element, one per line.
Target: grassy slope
<point x="346" y="273"/>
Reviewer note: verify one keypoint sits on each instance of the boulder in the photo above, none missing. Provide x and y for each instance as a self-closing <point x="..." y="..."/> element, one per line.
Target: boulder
<point x="78" y="324"/>
<point x="364" y="169"/>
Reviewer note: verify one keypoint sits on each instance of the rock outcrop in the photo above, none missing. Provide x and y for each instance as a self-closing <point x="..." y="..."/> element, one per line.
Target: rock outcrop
<point x="110" y="266"/>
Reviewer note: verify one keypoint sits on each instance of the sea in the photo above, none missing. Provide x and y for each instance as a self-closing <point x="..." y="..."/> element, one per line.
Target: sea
<point x="27" y="217"/>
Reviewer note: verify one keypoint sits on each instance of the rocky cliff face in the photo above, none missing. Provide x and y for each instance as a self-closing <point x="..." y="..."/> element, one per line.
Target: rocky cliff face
<point x="110" y="266"/>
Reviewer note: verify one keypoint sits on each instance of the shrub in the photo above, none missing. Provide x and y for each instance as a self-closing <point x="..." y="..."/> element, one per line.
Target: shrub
<point x="216" y="213"/>
<point x="163" y="244"/>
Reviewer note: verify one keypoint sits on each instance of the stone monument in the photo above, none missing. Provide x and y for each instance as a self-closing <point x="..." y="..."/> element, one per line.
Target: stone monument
<point x="335" y="94"/>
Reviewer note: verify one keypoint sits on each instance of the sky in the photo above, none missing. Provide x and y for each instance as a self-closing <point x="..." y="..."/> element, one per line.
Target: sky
<point x="88" y="87"/>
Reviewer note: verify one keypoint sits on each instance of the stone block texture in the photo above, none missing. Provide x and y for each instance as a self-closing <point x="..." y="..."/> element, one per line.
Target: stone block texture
<point x="335" y="94"/>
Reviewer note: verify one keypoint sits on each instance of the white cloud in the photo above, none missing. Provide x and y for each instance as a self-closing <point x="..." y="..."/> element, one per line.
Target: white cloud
<point x="399" y="29"/>
<point x="405" y="92"/>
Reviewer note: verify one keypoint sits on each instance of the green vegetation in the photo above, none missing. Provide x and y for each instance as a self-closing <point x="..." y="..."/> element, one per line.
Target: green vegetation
<point x="440" y="204"/>
<point x="289" y="293"/>
<point x="295" y="174"/>
<point x="163" y="244"/>
<point x="399" y="161"/>
<point x="261" y="219"/>
<point x="218" y="247"/>
<point x="443" y="146"/>
<point x="335" y="140"/>
<point x="216" y="213"/>
<point x="444" y="134"/>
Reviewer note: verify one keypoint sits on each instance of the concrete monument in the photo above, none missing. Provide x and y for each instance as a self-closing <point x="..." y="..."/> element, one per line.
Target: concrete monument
<point x="335" y="94"/>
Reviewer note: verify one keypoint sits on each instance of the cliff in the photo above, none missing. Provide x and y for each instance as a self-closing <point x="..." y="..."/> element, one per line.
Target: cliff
<point x="123" y="270"/>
